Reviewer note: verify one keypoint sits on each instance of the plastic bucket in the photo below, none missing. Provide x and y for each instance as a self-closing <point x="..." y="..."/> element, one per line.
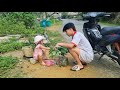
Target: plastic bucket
<point x="48" y="23"/>
<point x="43" y="23"/>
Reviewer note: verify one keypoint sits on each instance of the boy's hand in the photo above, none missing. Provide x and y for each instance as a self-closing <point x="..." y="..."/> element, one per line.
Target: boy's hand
<point x="57" y="45"/>
<point x="48" y="48"/>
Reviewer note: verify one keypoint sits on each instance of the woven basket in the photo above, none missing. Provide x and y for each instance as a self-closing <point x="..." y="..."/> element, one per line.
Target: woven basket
<point x="27" y="51"/>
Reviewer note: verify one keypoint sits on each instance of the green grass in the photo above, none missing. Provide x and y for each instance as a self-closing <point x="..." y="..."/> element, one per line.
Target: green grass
<point x="8" y="68"/>
<point x="6" y="64"/>
<point x="11" y="45"/>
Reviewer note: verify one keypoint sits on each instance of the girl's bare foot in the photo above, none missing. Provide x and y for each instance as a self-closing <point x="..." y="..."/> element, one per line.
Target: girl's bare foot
<point x="42" y="63"/>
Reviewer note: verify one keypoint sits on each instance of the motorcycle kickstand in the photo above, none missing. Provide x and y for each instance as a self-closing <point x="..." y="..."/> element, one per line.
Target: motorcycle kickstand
<point x="101" y="56"/>
<point x="114" y="60"/>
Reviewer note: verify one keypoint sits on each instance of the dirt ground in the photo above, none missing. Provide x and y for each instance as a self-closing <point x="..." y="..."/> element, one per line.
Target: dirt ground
<point x="38" y="71"/>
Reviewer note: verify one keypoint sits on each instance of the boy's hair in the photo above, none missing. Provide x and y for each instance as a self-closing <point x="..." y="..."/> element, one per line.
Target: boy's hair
<point x="68" y="26"/>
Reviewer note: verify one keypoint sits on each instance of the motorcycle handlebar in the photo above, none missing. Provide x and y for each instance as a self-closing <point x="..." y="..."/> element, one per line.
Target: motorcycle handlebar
<point x="104" y="14"/>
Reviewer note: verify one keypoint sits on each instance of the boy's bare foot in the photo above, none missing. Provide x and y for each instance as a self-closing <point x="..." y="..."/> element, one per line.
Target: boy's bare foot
<point x="84" y="63"/>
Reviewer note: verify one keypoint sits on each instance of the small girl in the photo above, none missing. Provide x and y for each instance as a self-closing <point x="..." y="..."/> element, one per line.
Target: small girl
<point x="39" y="51"/>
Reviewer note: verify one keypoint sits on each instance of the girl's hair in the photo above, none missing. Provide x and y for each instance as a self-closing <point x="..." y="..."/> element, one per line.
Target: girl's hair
<point x="68" y="26"/>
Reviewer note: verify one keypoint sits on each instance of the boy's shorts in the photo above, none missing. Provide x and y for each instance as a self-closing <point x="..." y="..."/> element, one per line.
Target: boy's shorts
<point x="85" y="57"/>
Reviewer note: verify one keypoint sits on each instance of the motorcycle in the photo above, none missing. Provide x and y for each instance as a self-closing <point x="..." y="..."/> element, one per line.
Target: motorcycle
<point x="104" y="41"/>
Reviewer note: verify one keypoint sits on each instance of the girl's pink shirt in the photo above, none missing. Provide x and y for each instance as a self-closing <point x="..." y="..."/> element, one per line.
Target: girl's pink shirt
<point x="37" y="51"/>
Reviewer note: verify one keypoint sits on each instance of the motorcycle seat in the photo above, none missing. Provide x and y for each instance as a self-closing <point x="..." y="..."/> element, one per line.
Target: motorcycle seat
<point x="110" y="30"/>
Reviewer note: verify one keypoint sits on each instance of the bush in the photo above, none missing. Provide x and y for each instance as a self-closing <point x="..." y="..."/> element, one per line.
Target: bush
<point x="7" y="28"/>
<point x="64" y="15"/>
<point x="117" y="18"/>
<point x="113" y="19"/>
<point x="15" y="17"/>
<point x="19" y="28"/>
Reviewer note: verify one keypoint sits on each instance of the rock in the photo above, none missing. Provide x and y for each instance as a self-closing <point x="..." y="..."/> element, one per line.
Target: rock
<point x="32" y="61"/>
<point x="16" y="36"/>
<point x="24" y="40"/>
<point x="8" y="37"/>
<point x="2" y="39"/>
<point x="20" y="60"/>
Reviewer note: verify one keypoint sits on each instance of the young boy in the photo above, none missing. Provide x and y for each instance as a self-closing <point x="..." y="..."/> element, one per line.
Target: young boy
<point x="79" y="47"/>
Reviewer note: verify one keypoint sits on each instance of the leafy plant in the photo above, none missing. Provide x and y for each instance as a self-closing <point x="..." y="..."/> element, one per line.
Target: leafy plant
<point x="58" y="52"/>
<point x="47" y="44"/>
<point x="63" y="50"/>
